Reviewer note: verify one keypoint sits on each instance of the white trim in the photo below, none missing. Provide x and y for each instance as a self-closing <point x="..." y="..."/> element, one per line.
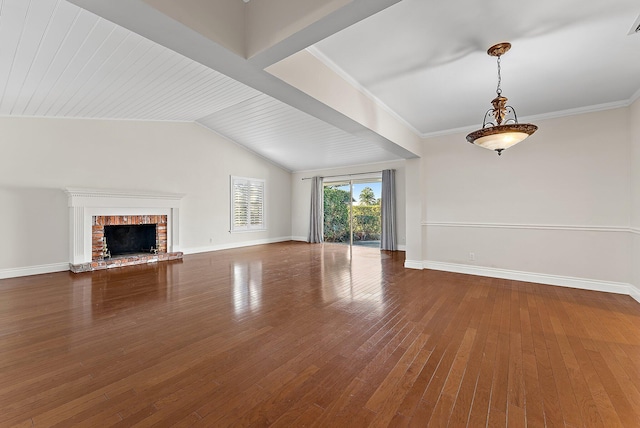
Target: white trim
<point x="86" y="203"/>
<point x="583" y="228"/>
<point x="538" y="117"/>
<point x="459" y="130"/>
<point x="241" y="231"/>
<point x="635" y="96"/>
<point x="634" y="292"/>
<point x="413" y="264"/>
<point x="558" y="280"/>
<point x="94" y="197"/>
<point x="33" y="270"/>
<point x="231" y="245"/>
<point x="577" y="111"/>
<point x="251" y="184"/>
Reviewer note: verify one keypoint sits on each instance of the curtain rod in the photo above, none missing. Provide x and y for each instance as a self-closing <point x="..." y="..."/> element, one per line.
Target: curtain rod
<point x="345" y="175"/>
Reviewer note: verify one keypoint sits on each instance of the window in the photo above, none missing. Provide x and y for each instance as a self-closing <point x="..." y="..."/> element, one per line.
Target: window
<point x="247" y="204"/>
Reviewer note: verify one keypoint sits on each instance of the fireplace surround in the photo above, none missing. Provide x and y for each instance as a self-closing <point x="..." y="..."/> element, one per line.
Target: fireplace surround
<point x="92" y="209"/>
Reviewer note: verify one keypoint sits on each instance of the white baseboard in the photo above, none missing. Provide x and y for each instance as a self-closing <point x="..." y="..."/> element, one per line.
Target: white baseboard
<point x="413" y="264"/>
<point x="558" y="280"/>
<point x="33" y="270"/>
<point x="231" y="245"/>
<point x="634" y="292"/>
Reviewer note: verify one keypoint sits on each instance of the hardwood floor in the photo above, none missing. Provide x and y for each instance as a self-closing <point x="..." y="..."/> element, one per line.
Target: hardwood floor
<point x="294" y="334"/>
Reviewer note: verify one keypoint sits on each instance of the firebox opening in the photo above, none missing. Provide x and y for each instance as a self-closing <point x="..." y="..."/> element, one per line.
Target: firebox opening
<point x="130" y="239"/>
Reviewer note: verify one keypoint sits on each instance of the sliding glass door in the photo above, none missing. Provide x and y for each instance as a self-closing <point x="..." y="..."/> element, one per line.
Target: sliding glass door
<point x="352" y="212"/>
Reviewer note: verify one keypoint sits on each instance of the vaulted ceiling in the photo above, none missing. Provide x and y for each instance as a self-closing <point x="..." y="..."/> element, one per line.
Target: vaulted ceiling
<point x="314" y="84"/>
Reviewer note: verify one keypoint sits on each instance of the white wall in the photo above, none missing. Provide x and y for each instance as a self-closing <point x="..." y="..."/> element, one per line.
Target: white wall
<point x="301" y="196"/>
<point x="556" y="204"/>
<point x="414" y="206"/>
<point x="41" y="157"/>
<point x="634" y="124"/>
<point x="559" y="204"/>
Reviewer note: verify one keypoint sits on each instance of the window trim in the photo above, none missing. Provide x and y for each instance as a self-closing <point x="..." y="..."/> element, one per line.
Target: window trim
<point x="248" y="227"/>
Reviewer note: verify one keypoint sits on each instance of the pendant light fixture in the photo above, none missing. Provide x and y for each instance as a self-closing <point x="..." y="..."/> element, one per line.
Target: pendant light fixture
<point x="500" y="128"/>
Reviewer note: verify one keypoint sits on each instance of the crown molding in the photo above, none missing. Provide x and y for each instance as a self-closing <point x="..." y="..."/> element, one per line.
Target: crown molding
<point x="544" y="116"/>
<point x="634" y="97"/>
<point x="464" y="129"/>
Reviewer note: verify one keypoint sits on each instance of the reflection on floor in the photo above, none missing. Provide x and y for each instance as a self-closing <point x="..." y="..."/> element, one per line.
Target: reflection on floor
<point x="296" y="334"/>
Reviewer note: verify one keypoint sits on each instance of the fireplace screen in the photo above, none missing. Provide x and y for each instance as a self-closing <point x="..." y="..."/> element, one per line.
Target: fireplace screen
<point x="130" y="239"/>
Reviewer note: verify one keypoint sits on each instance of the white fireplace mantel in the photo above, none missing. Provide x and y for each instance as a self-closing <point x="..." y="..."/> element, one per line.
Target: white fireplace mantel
<point x="86" y="203"/>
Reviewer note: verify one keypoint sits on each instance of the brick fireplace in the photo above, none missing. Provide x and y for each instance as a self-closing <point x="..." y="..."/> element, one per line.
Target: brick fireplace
<point x="91" y="210"/>
<point x="100" y="221"/>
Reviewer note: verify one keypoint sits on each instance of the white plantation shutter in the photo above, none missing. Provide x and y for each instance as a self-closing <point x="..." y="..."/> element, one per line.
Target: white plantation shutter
<point x="247" y="204"/>
<point x="256" y="204"/>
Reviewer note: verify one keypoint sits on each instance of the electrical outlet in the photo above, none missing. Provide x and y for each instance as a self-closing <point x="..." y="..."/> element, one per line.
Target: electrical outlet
<point x="472" y="257"/>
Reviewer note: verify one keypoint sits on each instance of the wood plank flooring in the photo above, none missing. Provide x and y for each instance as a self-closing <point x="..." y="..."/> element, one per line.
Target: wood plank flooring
<point x="292" y="335"/>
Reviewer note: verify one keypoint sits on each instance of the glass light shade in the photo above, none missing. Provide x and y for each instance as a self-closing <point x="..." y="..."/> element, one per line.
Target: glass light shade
<point x="500" y="141"/>
<point x="502" y="136"/>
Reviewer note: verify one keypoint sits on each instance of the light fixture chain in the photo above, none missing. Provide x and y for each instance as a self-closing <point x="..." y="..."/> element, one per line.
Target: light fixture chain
<point x="498" y="89"/>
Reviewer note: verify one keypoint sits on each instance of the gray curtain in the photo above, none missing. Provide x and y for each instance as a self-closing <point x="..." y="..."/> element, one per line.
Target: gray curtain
<point x="388" y="210"/>
<point x="316" y="229"/>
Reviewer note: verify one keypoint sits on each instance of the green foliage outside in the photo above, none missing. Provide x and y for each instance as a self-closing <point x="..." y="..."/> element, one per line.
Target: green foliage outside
<point x="366" y="222"/>
<point x="336" y="214"/>
<point x="366" y="215"/>
<point x="367" y="197"/>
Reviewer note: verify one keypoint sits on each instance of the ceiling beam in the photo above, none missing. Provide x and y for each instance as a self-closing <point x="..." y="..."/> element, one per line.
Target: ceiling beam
<point x="222" y="55"/>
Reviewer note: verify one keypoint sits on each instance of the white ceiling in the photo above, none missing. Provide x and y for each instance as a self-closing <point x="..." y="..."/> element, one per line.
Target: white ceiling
<point x="427" y="60"/>
<point x="424" y="60"/>
<point x="57" y="60"/>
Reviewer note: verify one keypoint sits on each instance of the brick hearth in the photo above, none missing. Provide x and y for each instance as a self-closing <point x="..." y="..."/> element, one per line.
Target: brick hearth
<point x="125" y="261"/>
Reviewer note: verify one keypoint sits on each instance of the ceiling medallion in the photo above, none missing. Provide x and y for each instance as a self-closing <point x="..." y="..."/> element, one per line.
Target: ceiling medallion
<point x="500" y="128"/>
